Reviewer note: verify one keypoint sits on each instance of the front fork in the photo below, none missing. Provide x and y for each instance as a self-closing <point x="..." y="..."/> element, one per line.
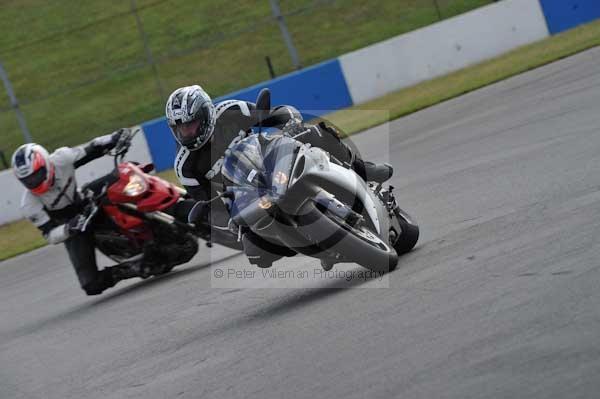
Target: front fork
<point x="394" y="211"/>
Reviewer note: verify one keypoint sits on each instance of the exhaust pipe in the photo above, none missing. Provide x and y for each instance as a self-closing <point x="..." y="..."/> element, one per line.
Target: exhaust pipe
<point x="156" y="216"/>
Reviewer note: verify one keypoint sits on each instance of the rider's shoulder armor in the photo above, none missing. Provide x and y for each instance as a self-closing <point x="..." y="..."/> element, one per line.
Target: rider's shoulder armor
<point x="65" y="157"/>
<point x="234" y="107"/>
<point x="63" y="196"/>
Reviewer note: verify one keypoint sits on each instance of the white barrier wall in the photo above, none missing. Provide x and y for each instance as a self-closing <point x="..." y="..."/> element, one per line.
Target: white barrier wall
<point x="12" y="190"/>
<point x="10" y="198"/>
<point x="442" y="48"/>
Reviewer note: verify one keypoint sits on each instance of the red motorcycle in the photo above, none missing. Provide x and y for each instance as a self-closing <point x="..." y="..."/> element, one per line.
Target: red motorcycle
<point x="131" y="215"/>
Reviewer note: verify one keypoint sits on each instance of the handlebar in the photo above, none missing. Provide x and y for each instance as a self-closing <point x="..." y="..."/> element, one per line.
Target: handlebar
<point x="122" y="147"/>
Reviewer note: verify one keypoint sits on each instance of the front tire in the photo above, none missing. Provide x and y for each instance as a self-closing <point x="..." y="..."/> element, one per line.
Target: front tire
<point x="356" y="244"/>
<point x="408" y="236"/>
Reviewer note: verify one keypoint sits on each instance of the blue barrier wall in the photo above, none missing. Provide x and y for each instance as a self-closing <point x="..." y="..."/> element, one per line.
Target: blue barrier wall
<point x="566" y="14"/>
<point x="319" y="89"/>
<point x="160" y="143"/>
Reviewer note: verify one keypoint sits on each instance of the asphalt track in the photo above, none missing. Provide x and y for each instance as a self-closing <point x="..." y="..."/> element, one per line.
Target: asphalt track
<point x="501" y="299"/>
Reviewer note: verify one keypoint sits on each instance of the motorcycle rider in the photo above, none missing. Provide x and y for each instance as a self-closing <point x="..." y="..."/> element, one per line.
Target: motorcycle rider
<point x="53" y="203"/>
<point x="203" y="132"/>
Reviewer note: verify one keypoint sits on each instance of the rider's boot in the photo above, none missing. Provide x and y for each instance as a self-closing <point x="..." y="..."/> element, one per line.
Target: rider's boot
<point x="102" y="281"/>
<point x="261" y="252"/>
<point x="327" y="265"/>
<point x="110" y="276"/>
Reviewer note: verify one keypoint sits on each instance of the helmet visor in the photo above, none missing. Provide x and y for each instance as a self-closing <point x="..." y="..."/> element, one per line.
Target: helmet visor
<point x="193" y="132"/>
<point x="35" y="179"/>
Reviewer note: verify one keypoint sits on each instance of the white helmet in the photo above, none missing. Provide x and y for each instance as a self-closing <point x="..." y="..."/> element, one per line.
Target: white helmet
<point x="191" y="116"/>
<point x="32" y="166"/>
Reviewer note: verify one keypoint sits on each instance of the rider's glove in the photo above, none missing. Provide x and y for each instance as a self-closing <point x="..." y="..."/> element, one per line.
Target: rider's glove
<point x="124" y="141"/>
<point x="76" y="224"/>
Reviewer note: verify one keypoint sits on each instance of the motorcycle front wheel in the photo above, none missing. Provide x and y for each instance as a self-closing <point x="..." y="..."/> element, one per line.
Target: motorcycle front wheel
<point x="354" y="243"/>
<point x="409" y="234"/>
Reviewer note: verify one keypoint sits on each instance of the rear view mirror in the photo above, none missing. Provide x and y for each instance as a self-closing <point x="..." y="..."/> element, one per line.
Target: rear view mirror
<point x="147" y="168"/>
<point x="263" y="105"/>
<point x="263" y="101"/>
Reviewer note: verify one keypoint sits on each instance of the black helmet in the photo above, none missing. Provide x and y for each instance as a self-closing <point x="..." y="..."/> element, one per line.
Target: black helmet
<point x="191" y="116"/>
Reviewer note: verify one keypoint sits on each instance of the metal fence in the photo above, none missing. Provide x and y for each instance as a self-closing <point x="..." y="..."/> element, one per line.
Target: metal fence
<point x="75" y="69"/>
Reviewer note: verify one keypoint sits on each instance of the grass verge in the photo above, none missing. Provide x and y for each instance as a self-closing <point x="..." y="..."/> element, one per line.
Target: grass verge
<point x="21" y="236"/>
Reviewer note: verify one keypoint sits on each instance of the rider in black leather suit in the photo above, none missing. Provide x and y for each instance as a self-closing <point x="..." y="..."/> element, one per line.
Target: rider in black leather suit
<point x="204" y="131"/>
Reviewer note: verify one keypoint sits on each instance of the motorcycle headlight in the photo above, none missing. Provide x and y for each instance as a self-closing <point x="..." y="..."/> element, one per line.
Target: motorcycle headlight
<point x="136" y="186"/>
<point x="265" y="203"/>
<point x="280" y="178"/>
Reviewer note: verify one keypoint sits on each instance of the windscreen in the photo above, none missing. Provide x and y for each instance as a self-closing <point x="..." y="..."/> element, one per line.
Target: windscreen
<point x="262" y="162"/>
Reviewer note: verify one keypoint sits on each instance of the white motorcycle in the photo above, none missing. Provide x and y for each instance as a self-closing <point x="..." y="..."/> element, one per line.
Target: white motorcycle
<point x="287" y="197"/>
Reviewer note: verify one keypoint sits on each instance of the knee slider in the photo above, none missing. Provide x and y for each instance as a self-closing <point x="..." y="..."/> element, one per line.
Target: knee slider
<point x="93" y="288"/>
<point x="102" y="281"/>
